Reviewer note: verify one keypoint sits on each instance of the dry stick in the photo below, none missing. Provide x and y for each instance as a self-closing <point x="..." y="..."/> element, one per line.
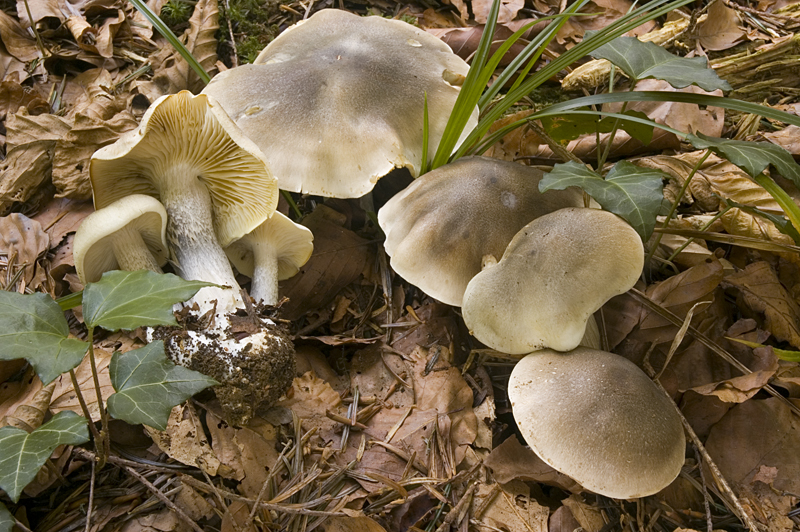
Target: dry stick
<point x="235" y="58"/>
<point x="91" y="497"/>
<point x="457" y="513"/>
<point x="218" y="495"/>
<point x="84" y="408"/>
<point x="749" y="523"/>
<point x="703" y="339"/>
<point x="262" y="492"/>
<point x="163" y="498"/>
<point x="709" y="522"/>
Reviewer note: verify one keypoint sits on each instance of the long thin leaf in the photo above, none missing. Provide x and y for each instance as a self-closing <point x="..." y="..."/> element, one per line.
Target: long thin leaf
<point x="176" y="43"/>
<point x="647" y="12"/>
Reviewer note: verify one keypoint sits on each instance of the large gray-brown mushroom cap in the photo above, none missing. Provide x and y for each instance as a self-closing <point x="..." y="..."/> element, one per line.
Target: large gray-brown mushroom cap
<point x="441" y="227"/>
<point x="336" y="102"/>
<point x="555" y="273"/>
<point x="599" y="419"/>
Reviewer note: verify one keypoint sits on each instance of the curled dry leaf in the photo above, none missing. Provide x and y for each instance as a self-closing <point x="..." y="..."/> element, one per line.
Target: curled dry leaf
<point x="23" y="241"/>
<point x="508" y="10"/>
<point x="508" y="507"/>
<point x="720" y="29"/>
<point x="511" y="460"/>
<point x="171" y="73"/>
<point x="338" y="259"/>
<point x="17" y="40"/>
<point x="185" y="440"/>
<point x="762" y="291"/>
<point x="787" y="138"/>
<point x="737" y="389"/>
<point x="755" y="433"/>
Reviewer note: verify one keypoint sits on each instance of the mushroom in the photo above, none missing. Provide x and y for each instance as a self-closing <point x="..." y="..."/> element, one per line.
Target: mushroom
<point x="599" y="419"/>
<point x="128" y="234"/>
<point x="213" y="181"/>
<point x="555" y="273"/>
<point x="442" y="227"/>
<point x="337" y="102"/>
<point x="272" y="252"/>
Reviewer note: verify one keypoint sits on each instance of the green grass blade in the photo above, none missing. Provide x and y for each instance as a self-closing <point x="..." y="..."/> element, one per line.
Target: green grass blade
<point x="164" y="30"/>
<point x="647" y="12"/>
<point x="469" y="95"/>
<point x="784" y="200"/>
<point x="423" y="169"/>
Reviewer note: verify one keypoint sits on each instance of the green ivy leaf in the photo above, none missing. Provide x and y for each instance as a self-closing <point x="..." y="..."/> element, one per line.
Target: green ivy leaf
<point x="752" y="157"/>
<point x="148" y="385"/>
<point x="569" y="127"/>
<point x="127" y="300"/>
<point x="7" y="520"/>
<point x="641" y="60"/>
<point x="629" y="191"/>
<point x="24" y="454"/>
<point x="33" y="326"/>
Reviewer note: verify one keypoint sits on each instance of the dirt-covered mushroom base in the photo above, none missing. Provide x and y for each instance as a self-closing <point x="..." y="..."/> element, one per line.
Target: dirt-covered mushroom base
<point x="254" y="371"/>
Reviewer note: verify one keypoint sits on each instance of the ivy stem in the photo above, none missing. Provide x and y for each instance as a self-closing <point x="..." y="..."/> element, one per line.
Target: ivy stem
<point x="675" y="204"/>
<point x="84" y="407"/>
<point x="103" y="447"/>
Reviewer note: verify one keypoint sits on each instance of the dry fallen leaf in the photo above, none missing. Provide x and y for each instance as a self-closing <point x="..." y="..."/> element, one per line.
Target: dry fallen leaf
<point x="64" y="396"/>
<point x="720" y="30"/>
<point x="509" y="507"/>
<point x="762" y="291"/>
<point x="22" y="241"/>
<point x="185" y="441"/>
<point x="510" y="460"/>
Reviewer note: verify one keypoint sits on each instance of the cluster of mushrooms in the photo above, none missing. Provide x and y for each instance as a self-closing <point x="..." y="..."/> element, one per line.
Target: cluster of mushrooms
<point x="328" y="108"/>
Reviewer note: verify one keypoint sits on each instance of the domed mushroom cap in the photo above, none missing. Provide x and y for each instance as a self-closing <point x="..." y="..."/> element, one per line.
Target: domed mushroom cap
<point x="599" y="419"/>
<point x="555" y="273"/>
<point x="336" y="102"/>
<point x="132" y="222"/>
<point x="440" y="228"/>
<point x="292" y="244"/>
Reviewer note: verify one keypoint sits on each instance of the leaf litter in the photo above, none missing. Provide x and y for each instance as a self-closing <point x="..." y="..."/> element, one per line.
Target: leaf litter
<point x="385" y="427"/>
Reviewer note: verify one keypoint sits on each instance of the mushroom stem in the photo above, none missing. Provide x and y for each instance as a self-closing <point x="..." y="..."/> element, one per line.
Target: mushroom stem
<point x="194" y="246"/>
<point x="131" y="251"/>
<point x="265" y="273"/>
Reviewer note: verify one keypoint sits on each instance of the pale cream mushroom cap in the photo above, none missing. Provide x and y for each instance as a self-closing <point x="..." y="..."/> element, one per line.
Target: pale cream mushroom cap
<point x="599" y="419"/>
<point x="555" y="273"/>
<point x="337" y="102"/>
<point x="293" y="244"/>
<point x="440" y="228"/>
<point x="93" y="244"/>
<point x="190" y="133"/>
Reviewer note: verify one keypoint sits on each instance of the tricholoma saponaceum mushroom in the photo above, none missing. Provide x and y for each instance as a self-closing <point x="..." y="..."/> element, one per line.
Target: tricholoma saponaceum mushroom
<point x="272" y="252"/>
<point x="216" y="187"/>
<point x="129" y="234"/>
<point x="555" y="273"/>
<point x="599" y="419"/>
<point x="213" y="181"/>
<point x="446" y="224"/>
<point x="347" y="95"/>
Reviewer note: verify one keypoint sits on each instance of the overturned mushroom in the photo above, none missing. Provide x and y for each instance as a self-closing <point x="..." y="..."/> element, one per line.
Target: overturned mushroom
<point x="337" y="101"/>
<point x="555" y="273"/>
<point x="128" y="234"/>
<point x="599" y="419"/>
<point x="442" y="227"/>
<point x="272" y="252"/>
<point x="213" y="181"/>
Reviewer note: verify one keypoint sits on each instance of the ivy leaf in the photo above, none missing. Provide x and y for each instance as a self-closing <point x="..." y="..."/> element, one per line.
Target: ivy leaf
<point x="752" y="157"/>
<point x="7" y="520"/>
<point x="33" y="326"/>
<point x="24" y="454"/>
<point x="148" y="385"/>
<point x="641" y="60"/>
<point x="571" y="126"/>
<point x="629" y="191"/>
<point x="127" y="300"/>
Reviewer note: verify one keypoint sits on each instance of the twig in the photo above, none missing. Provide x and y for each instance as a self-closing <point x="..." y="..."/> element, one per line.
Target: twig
<point x="746" y="519"/>
<point x="709" y="522"/>
<point x="91" y="497"/>
<point x="218" y="495"/>
<point x="455" y="515"/>
<point x="163" y="498"/>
